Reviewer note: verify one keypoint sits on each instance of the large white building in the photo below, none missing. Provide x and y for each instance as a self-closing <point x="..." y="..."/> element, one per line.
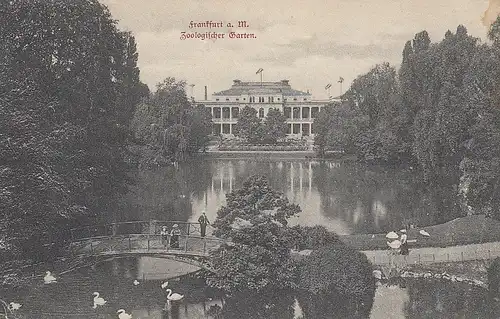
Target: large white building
<point x="298" y="107"/>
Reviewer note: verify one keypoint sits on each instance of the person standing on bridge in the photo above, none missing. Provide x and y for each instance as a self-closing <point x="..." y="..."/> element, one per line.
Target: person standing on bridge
<point x="174" y="236"/>
<point x="164" y="235"/>
<point x="203" y="220"/>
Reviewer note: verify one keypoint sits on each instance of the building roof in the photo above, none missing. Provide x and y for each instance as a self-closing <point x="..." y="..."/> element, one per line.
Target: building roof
<point x="243" y="88"/>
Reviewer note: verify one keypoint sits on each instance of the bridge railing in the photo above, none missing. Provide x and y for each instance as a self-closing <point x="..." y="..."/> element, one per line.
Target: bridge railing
<point x="145" y="243"/>
<point x="151" y="227"/>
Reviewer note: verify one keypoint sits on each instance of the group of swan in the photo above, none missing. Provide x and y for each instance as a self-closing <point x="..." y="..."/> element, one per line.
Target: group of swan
<point x="99" y="301"/>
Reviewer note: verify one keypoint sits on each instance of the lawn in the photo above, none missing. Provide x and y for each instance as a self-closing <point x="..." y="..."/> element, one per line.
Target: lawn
<point x="461" y="231"/>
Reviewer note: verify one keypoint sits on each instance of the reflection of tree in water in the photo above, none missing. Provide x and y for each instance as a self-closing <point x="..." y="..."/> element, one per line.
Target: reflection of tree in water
<point x="436" y="299"/>
<point x="271" y="305"/>
<point x="332" y="306"/>
<point x="165" y="193"/>
<point x="354" y="192"/>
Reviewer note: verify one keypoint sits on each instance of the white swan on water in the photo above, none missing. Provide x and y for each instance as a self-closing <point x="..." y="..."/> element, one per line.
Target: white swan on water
<point x="98" y="301"/>
<point x="173" y="296"/>
<point x="163" y="285"/>
<point x="136" y="282"/>
<point x="123" y="315"/>
<point x="49" y="278"/>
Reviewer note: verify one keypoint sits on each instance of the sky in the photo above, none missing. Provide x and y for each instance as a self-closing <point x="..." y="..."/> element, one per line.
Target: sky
<point x="310" y="42"/>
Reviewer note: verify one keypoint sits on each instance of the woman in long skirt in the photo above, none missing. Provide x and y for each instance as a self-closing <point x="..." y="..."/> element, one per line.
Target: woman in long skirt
<point x="404" y="243"/>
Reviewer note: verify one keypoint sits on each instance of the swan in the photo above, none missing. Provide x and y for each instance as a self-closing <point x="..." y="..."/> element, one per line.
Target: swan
<point x="14" y="306"/>
<point x="163" y="285"/>
<point x="48" y="279"/>
<point x="392" y="235"/>
<point x="123" y="315"/>
<point x="173" y="296"/>
<point x="98" y="301"/>
<point x="424" y="233"/>
<point x="136" y="282"/>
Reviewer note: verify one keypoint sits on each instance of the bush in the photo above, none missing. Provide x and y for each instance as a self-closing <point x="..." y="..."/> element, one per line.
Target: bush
<point x="338" y="268"/>
<point x="494" y="277"/>
<point x="301" y="237"/>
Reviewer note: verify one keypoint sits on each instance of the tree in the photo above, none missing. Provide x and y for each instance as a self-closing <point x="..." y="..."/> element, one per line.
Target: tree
<point x="169" y="125"/>
<point x="64" y="117"/>
<point x="275" y="126"/>
<point x="249" y="126"/>
<point x="254" y="220"/>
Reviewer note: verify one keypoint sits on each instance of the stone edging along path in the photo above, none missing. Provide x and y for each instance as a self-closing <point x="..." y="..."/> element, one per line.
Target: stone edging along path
<point x="429" y="255"/>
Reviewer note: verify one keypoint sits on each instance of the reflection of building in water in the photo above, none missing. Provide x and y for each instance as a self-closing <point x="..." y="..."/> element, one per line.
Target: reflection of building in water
<point x="295" y="178"/>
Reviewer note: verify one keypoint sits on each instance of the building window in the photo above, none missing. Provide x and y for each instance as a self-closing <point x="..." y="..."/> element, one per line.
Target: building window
<point x="252" y="99"/>
<point x="244" y="99"/>
<point x="305" y="99"/>
<point x="278" y="99"/>
<point x="226" y="129"/>
<point x="284" y="100"/>
<point x="305" y="129"/>
<point x="305" y="112"/>
<point x="296" y="113"/>
<point x="261" y="112"/>
<point x="261" y="99"/>
<point x="270" y="99"/>
<point x="296" y="128"/>
<point x="225" y="112"/>
<point x="217" y="112"/>
<point x="227" y="99"/>
<point x="289" y="129"/>
<point x="216" y="99"/>
<point x="237" y="99"/>
<point x="295" y="99"/>
<point x="287" y="112"/>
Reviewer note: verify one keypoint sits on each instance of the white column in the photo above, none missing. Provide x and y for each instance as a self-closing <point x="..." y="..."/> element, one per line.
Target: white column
<point x="291" y="177"/>
<point x="301" y="176"/>
<point x="310" y="177"/>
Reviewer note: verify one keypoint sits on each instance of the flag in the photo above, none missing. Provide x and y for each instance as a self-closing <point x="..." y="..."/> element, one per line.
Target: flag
<point x="259" y="71"/>
<point x="329" y="85"/>
<point x="341" y="79"/>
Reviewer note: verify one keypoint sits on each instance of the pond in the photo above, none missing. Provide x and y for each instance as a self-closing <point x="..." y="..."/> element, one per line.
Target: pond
<point x="71" y="297"/>
<point x="345" y="197"/>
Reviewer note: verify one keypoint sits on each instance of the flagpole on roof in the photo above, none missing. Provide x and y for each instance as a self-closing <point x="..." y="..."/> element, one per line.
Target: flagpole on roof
<point x="341" y="79"/>
<point x="327" y="87"/>
<point x="260" y="71"/>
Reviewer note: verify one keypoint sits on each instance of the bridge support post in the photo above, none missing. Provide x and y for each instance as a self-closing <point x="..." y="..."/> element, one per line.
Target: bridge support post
<point x="186" y="242"/>
<point x="129" y="244"/>
<point x="188" y="226"/>
<point x="204" y="246"/>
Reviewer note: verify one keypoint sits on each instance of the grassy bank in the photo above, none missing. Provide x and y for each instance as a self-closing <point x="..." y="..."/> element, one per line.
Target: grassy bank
<point x="461" y="231"/>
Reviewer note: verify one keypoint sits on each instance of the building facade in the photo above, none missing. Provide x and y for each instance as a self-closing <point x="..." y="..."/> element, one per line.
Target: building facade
<point x="297" y="106"/>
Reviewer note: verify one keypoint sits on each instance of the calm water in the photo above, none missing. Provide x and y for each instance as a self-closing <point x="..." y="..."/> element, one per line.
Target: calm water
<point x="344" y="197"/>
<point x="72" y="297"/>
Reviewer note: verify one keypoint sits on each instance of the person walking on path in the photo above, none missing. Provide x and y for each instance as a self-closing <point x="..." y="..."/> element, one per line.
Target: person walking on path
<point x="404" y="243"/>
<point x="203" y="220"/>
<point x="164" y="235"/>
<point x="174" y="236"/>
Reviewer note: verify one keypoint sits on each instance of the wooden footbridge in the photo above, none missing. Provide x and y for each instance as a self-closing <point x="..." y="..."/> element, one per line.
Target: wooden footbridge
<point x="143" y="238"/>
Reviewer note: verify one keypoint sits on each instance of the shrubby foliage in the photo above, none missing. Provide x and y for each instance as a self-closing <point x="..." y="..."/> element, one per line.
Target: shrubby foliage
<point x="169" y="126"/>
<point x="439" y="111"/>
<point x="68" y="85"/>
<point x="258" y="258"/>
<point x="341" y="269"/>
<point x="254" y="130"/>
